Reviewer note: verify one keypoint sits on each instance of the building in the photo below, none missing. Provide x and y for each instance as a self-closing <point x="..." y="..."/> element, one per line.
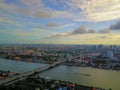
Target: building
<point x="110" y="54"/>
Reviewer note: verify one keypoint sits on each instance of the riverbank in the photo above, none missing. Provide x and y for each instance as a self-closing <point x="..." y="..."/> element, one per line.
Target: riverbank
<point x="6" y="74"/>
<point x="94" y="64"/>
<point x="106" y="65"/>
<point x="37" y="83"/>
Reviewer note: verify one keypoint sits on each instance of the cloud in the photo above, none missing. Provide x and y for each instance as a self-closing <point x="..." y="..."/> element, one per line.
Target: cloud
<point x="58" y="15"/>
<point x="97" y="38"/>
<point x="91" y="31"/>
<point x="101" y="37"/>
<point x="53" y="24"/>
<point x="31" y="8"/>
<point x="38" y="9"/>
<point x="8" y="21"/>
<point x="81" y="30"/>
<point x="43" y="14"/>
<point x="24" y="11"/>
<point x="33" y="32"/>
<point x="33" y="3"/>
<point x="96" y="10"/>
<point x="58" y="35"/>
<point x="104" y="31"/>
<point x="76" y="10"/>
<point x="115" y="26"/>
<point x="58" y="25"/>
<point x="5" y="6"/>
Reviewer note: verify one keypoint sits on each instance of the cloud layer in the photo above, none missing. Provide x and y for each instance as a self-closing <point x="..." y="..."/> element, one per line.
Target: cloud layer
<point x="76" y="10"/>
<point x="115" y="26"/>
<point x="79" y="21"/>
<point x="81" y="30"/>
<point x="88" y="39"/>
<point x="96" y="10"/>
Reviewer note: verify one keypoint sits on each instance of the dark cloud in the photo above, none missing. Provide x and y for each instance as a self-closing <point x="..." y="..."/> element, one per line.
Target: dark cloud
<point x="115" y="26"/>
<point x="104" y="31"/>
<point x="58" y="35"/>
<point x="91" y="31"/>
<point x="53" y="24"/>
<point x="80" y="30"/>
<point x="43" y="14"/>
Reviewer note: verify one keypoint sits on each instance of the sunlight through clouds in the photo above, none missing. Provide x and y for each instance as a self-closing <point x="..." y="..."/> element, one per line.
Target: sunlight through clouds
<point x="61" y="21"/>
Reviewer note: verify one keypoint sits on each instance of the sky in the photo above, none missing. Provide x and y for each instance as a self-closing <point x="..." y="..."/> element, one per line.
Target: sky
<point x="60" y="21"/>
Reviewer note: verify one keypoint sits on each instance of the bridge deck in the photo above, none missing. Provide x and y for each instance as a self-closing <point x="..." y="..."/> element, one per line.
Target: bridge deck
<point x="26" y="74"/>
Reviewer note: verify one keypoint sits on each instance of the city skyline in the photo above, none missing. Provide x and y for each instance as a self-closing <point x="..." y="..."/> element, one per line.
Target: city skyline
<point x="60" y="21"/>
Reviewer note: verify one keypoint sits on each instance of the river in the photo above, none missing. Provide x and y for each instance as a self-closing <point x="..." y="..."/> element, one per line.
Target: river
<point x="81" y="75"/>
<point x="18" y="66"/>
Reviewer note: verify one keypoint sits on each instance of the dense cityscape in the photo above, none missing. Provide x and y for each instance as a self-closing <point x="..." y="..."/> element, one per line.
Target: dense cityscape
<point x="105" y="57"/>
<point x="96" y="56"/>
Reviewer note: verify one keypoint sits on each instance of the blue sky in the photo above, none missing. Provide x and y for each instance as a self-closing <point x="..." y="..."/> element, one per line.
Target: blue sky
<point x="60" y="21"/>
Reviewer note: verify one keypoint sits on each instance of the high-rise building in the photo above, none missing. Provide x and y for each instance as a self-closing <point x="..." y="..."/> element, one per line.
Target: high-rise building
<point x="110" y="54"/>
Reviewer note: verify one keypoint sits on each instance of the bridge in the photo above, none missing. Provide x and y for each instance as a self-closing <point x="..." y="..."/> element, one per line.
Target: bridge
<point x="24" y="75"/>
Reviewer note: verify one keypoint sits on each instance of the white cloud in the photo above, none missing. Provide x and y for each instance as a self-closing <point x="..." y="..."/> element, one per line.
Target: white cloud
<point x="96" y="10"/>
<point x="76" y="10"/>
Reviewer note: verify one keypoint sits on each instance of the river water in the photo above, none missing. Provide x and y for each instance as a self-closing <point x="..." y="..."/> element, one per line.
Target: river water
<point x="18" y="66"/>
<point x="84" y="76"/>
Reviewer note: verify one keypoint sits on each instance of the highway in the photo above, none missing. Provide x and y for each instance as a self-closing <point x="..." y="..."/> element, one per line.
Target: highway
<point x="24" y="75"/>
